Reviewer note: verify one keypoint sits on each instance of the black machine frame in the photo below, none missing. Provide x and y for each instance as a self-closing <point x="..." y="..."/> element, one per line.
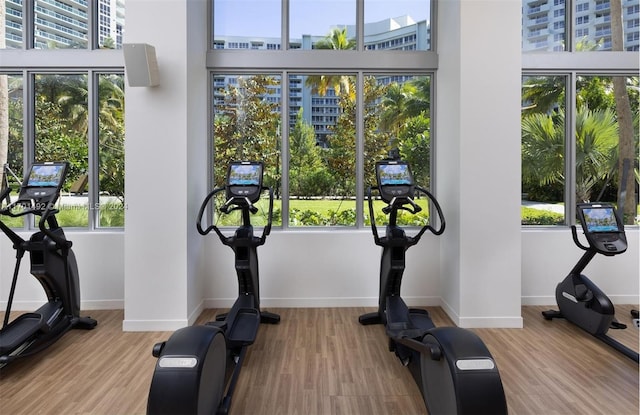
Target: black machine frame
<point x="198" y="367"/>
<point x="452" y="367"/>
<point x="53" y="264"/>
<point x="579" y="299"/>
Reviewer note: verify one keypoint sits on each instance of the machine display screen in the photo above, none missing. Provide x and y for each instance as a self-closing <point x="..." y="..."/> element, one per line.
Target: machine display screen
<point x="245" y="175"/>
<point x="600" y="219"/>
<point x="45" y="175"/>
<point x="394" y="175"/>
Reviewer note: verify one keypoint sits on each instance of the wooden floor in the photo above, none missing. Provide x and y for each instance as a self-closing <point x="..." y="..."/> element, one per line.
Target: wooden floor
<point x="321" y="361"/>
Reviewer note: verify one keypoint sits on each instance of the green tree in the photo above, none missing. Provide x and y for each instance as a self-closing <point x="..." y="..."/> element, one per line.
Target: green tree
<point x="342" y="147"/>
<point x="395" y="112"/>
<point x="246" y="127"/>
<point x="415" y="148"/>
<point x="543" y="149"/>
<point x="337" y="39"/>
<point x="308" y="174"/>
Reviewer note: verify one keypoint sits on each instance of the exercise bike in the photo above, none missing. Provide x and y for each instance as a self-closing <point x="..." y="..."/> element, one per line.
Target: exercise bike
<point x="198" y="367"/>
<point x="452" y="367"/>
<point x="579" y="300"/>
<point x="53" y="263"/>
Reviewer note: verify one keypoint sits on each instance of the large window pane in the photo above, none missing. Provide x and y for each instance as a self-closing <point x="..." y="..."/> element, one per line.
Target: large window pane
<point x="606" y="134"/>
<point x="11" y="138"/>
<point x="11" y="19"/>
<point x="596" y="25"/>
<point x="397" y="121"/>
<point x="60" y="25"/>
<point x="331" y="23"/>
<point x="543" y="25"/>
<point x="247" y="24"/>
<point x="405" y="26"/>
<point x="322" y="150"/>
<point x="543" y="149"/>
<point x="110" y="23"/>
<point x="111" y="150"/>
<point x="61" y="128"/>
<point x="247" y="127"/>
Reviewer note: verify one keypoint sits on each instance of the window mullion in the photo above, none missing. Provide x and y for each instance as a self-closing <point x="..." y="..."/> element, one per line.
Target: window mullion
<point x="359" y="124"/>
<point x="93" y="148"/>
<point x="570" y="150"/>
<point x="284" y="149"/>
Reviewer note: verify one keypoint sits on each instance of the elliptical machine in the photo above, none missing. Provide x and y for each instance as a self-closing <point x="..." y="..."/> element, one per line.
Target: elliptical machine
<point x="53" y="263"/>
<point x="198" y="367"/>
<point x="580" y="300"/>
<point x="452" y="367"/>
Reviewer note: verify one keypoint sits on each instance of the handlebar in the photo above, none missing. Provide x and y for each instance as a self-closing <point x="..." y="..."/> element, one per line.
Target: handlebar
<point x="399" y="204"/>
<point x="45" y="209"/>
<point x="234" y="203"/>
<point x="574" y="233"/>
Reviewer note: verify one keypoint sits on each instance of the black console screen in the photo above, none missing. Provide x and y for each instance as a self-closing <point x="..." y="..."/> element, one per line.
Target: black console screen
<point x="600" y="219"/>
<point x="394" y="175"/>
<point x="45" y="175"/>
<point x="245" y="175"/>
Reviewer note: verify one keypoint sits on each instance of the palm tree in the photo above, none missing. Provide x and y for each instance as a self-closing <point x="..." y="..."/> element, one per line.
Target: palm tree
<point x="337" y="39"/>
<point x="395" y="112"/>
<point x="543" y="149"/>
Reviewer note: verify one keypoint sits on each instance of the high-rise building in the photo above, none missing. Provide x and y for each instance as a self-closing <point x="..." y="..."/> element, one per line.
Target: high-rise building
<point x="543" y="24"/>
<point x="65" y="23"/>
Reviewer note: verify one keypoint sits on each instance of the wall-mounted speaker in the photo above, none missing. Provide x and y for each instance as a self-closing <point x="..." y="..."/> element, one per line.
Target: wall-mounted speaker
<point x="140" y="64"/>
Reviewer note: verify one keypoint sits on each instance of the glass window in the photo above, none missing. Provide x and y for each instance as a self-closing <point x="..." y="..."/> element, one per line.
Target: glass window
<point x="543" y="149"/>
<point x="61" y="131"/>
<point x="246" y="126"/>
<point x="111" y="131"/>
<point x="237" y="21"/>
<point x="61" y="24"/>
<point x="598" y="25"/>
<point x="405" y="26"/>
<point x="314" y="21"/>
<point x="11" y="138"/>
<point x="543" y="25"/>
<point x="322" y="150"/>
<point x="607" y="134"/>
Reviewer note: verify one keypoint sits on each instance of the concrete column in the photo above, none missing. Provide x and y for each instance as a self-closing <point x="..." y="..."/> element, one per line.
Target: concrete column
<point x="478" y="160"/>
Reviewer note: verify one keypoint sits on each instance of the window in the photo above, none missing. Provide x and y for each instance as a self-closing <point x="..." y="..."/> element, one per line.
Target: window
<point x="580" y="121"/>
<point x="317" y="122"/>
<point x="61" y="114"/>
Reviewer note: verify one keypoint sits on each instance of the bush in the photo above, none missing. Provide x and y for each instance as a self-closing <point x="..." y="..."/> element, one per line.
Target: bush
<point x="531" y="216"/>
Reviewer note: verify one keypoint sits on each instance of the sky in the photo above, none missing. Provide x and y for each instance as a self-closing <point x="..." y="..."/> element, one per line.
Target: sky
<point x="261" y="18"/>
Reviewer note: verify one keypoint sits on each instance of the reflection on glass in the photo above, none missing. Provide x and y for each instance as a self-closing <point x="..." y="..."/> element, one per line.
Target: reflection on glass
<point x="312" y="21"/>
<point x="246" y="118"/>
<point x="543" y="149"/>
<point x="247" y="24"/>
<point x="405" y="26"/>
<point x="59" y="25"/>
<point x="61" y="130"/>
<point x="111" y="150"/>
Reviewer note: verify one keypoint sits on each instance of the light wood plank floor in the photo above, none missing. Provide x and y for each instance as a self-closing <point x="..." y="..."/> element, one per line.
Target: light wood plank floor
<point x="321" y="361"/>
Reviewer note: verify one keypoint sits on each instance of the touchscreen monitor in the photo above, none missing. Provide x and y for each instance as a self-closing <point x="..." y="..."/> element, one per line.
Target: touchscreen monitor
<point x="245" y="175"/>
<point x="45" y="175"/>
<point x="396" y="174"/>
<point x="600" y="219"/>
